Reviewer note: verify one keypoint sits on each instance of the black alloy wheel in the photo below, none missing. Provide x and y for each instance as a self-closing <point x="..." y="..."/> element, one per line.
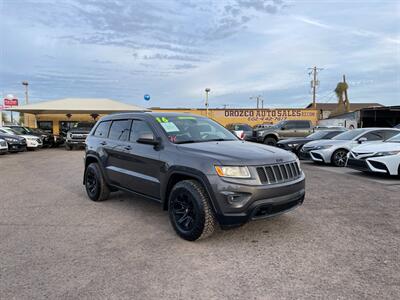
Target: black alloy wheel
<point x="189" y="211"/>
<point x="339" y="158"/>
<point x="96" y="187"/>
<point x="183" y="210"/>
<point x="91" y="182"/>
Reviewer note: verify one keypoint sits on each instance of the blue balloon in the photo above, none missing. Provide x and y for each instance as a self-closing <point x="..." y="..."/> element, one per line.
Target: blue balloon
<point x="147" y="97"/>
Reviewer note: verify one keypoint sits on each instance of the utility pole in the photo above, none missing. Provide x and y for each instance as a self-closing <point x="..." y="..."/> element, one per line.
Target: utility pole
<point x="314" y="84"/>
<point x="258" y="97"/>
<point x="207" y="90"/>
<point x="346" y="98"/>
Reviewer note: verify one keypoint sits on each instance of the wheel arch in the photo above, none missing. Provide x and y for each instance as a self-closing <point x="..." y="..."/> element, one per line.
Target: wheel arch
<point x="178" y="175"/>
<point x="91" y="159"/>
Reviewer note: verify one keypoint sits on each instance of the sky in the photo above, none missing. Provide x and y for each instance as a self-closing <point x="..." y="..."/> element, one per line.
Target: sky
<point x="173" y="50"/>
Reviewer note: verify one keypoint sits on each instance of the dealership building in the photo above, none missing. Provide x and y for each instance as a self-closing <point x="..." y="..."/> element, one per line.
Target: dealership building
<point x="60" y="115"/>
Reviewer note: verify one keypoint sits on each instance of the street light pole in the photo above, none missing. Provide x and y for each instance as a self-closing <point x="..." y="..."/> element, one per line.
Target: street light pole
<point x="207" y="90"/>
<point x="26" y="118"/>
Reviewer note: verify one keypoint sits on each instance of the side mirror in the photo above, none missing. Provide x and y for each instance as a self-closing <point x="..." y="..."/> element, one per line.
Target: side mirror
<point x="362" y="140"/>
<point x="148" y="139"/>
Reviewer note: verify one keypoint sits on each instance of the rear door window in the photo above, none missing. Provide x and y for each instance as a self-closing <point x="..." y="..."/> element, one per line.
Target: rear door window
<point x="102" y="129"/>
<point x="120" y="130"/>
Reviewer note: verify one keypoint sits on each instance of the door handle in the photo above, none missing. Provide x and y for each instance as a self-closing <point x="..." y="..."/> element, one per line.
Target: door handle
<point x="128" y="148"/>
<point x="103" y="143"/>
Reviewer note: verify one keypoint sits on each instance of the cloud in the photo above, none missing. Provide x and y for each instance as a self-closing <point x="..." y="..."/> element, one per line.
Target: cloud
<point x="173" y="49"/>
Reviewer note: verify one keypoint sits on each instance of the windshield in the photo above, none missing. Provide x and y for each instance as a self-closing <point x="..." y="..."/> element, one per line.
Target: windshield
<point x="83" y="125"/>
<point x="318" y="135"/>
<point x="349" y="135"/>
<point x="394" y="139"/>
<point x="191" y="129"/>
<point x="19" y="130"/>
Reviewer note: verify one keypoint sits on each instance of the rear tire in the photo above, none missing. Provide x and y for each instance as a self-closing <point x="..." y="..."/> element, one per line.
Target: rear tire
<point x="339" y="158"/>
<point x="270" y="141"/>
<point x="189" y="211"/>
<point x="96" y="187"/>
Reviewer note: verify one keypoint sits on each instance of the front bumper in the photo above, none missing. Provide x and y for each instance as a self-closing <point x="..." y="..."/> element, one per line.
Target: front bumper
<point x="76" y="142"/>
<point x="16" y="147"/>
<point x="34" y="144"/>
<point x="377" y="165"/>
<point x="260" y="201"/>
<point x="323" y="155"/>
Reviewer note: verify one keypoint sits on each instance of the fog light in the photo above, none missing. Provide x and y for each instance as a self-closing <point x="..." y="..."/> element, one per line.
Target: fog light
<point x="236" y="199"/>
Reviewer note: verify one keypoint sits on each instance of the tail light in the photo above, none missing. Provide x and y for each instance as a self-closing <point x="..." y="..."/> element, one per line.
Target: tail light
<point x="242" y="135"/>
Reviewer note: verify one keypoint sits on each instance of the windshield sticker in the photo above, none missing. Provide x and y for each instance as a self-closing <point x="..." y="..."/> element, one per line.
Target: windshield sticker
<point x="186" y="118"/>
<point x="162" y="120"/>
<point x="169" y="127"/>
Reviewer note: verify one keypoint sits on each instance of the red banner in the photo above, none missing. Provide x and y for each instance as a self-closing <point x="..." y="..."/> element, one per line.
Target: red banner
<point x="10" y="102"/>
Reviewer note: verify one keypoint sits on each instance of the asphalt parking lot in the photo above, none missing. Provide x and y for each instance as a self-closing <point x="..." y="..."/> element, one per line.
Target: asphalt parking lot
<point x="343" y="243"/>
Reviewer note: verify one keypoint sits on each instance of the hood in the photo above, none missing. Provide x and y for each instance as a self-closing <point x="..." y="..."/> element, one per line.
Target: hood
<point x="83" y="130"/>
<point x="13" y="136"/>
<point x="326" y="142"/>
<point x="28" y="136"/>
<point x="295" y="140"/>
<point x="239" y="152"/>
<point x="377" y="147"/>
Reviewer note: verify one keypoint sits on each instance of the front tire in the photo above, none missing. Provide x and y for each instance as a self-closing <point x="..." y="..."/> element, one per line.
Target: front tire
<point x="68" y="147"/>
<point x="339" y="158"/>
<point x="96" y="187"/>
<point x="270" y="141"/>
<point x="189" y="211"/>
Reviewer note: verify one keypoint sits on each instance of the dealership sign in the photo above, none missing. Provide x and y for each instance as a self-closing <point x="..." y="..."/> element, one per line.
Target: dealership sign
<point x="257" y="116"/>
<point x="10" y="101"/>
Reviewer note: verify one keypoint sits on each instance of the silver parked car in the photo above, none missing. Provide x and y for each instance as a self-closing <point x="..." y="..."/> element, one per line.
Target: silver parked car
<point x="335" y="150"/>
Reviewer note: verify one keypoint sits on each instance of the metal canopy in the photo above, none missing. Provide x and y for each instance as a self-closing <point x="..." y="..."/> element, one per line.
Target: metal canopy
<point x="78" y="106"/>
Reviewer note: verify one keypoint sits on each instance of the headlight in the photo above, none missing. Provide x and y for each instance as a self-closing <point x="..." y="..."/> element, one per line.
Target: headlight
<point x="387" y="153"/>
<point x="11" y="140"/>
<point x="293" y="145"/>
<point x="323" y="147"/>
<point x="31" y="139"/>
<point x="260" y="133"/>
<point x="69" y="135"/>
<point x="298" y="163"/>
<point x="235" y="172"/>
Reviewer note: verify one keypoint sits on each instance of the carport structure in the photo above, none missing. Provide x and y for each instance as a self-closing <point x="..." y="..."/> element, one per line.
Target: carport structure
<point x="62" y="113"/>
<point x="387" y="116"/>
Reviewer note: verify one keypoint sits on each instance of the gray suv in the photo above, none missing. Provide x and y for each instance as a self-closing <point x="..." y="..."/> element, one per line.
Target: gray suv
<point x="201" y="173"/>
<point x="282" y="130"/>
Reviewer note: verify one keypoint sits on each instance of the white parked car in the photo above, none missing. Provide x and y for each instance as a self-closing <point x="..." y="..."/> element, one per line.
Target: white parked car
<point x="3" y="146"/>
<point x="335" y="150"/>
<point x="32" y="141"/>
<point x="380" y="157"/>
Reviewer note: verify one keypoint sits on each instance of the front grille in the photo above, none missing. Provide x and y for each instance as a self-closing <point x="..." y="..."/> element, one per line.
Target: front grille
<point x="79" y="136"/>
<point x="272" y="174"/>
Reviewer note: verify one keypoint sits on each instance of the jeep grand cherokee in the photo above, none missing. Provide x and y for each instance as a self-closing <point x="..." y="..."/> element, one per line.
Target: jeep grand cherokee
<point x="201" y="173"/>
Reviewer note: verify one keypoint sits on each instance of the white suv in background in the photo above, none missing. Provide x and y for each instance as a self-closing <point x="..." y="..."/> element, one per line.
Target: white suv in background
<point x="380" y="158"/>
<point x="335" y="150"/>
<point x="3" y="146"/>
<point x="32" y="141"/>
